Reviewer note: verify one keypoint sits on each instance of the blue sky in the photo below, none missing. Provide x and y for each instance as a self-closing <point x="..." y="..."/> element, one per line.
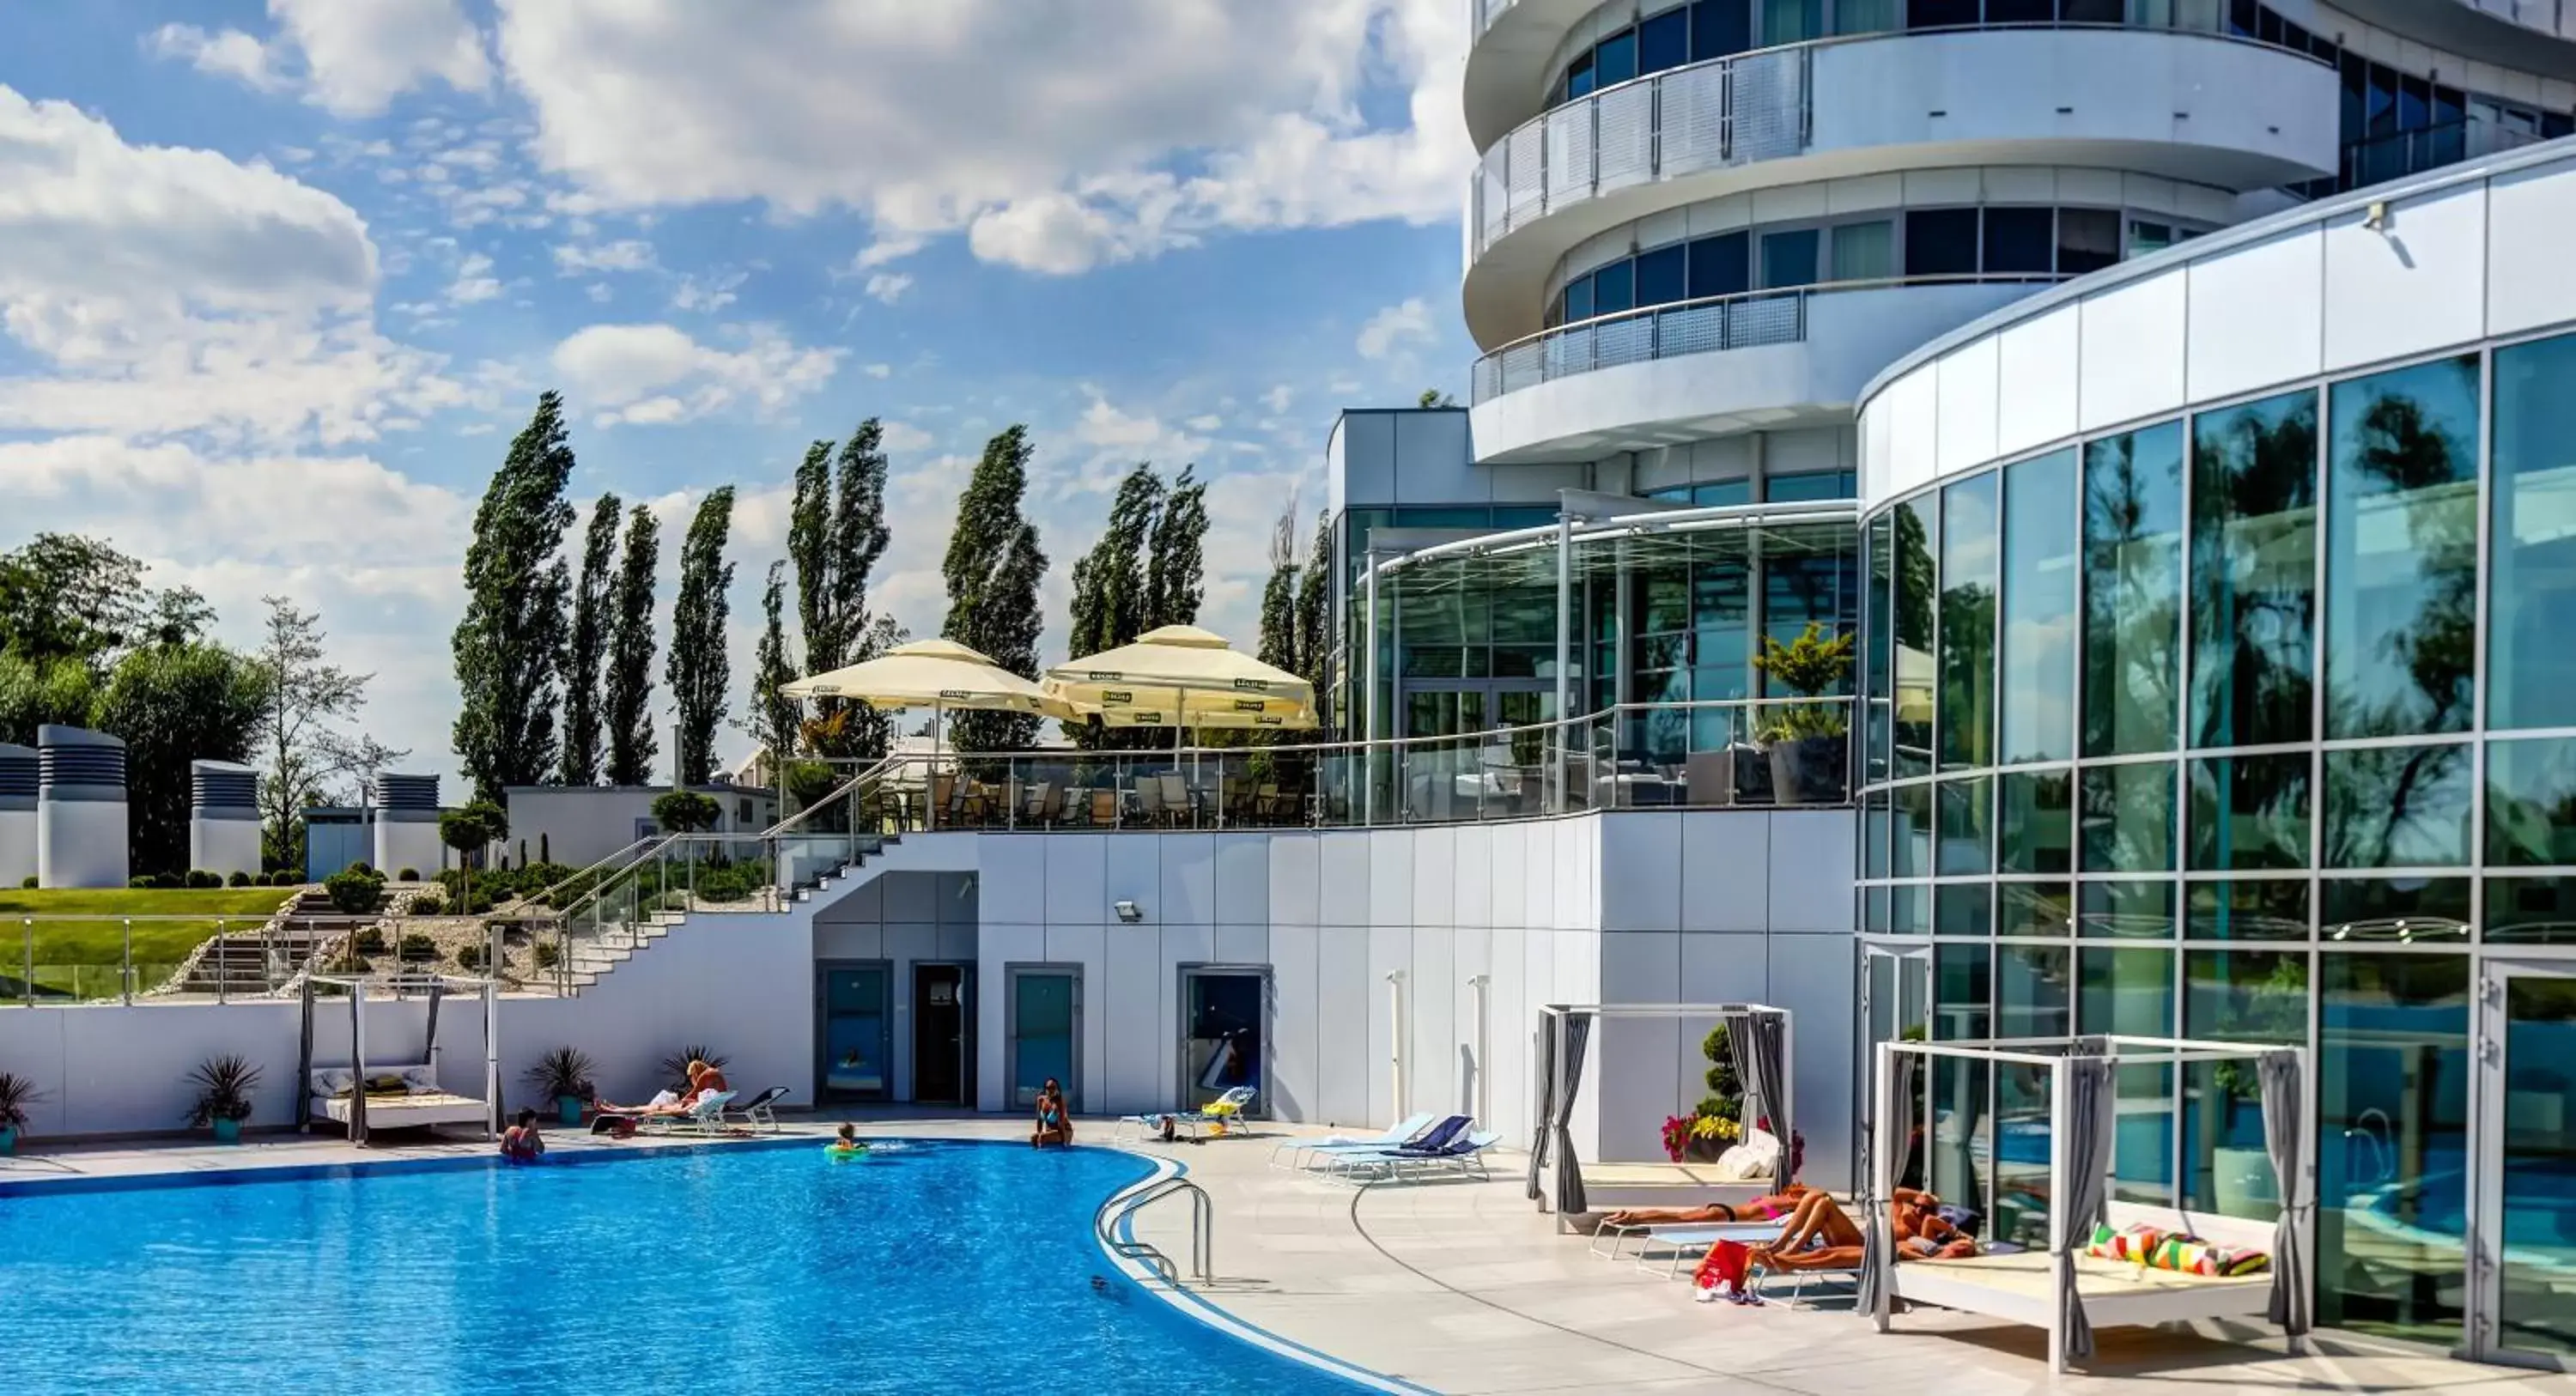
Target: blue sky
<point x="284" y="277"/>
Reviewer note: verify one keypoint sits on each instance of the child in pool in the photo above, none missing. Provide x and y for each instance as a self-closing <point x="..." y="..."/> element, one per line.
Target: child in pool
<point x="847" y="1141"/>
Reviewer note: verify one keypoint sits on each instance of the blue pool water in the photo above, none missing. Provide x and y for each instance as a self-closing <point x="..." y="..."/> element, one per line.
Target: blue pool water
<point x="938" y="1267"/>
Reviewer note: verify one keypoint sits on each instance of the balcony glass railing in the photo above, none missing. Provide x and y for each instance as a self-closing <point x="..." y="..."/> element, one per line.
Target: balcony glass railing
<point x="2403" y="153"/>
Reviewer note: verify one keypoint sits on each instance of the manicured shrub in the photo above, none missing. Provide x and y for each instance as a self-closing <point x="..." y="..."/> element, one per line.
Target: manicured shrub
<point x="29" y="882"/>
<point x="428" y="903"/>
<point x="142" y="882"/>
<point x="418" y="946"/>
<point x="369" y="941"/>
<point x="355" y="893"/>
<point x="546" y="953"/>
<point x="469" y="956"/>
<point x="408" y="875"/>
<point x="238" y="879"/>
<point x="200" y="879"/>
<point x="286" y="877"/>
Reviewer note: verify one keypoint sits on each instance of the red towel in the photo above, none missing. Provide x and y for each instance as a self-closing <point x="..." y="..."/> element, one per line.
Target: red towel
<point x="1728" y="1261"/>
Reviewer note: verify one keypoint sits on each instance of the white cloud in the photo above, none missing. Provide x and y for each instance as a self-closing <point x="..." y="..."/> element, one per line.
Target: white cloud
<point x="707" y="294"/>
<point x="904" y="436"/>
<point x="1205" y="423"/>
<point x="879" y="370"/>
<point x="658" y="374"/>
<point x="1391" y="329"/>
<point x="229" y="53"/>
<point x="474" y="281"/>
<point x="599" y="293"/>
<point x="1278" y="398"/>
<point x="361" y="56"/>
<point x="625" y="254"/>
<point x="889" y="286"/>
<point x="991" y="117"/>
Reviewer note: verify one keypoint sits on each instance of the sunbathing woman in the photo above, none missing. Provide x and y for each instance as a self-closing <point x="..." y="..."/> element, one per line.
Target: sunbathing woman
<point x="704" y="1080"/>
<point x="1054" y="1127"/>
<point x="1820" y="1237"/>
<point x="1779" y="1204"/>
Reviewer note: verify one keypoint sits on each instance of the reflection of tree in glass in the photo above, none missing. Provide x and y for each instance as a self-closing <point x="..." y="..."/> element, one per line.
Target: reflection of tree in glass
<point x="2531" y="813"/>
<point x="1915" y="582"/>
<point x="2254" y="494"/>
<point x="2132" y="596"/>
<point x="2406" y="454"/>
<point x="2377" y="797"/>
<point x="2250" y="812"/>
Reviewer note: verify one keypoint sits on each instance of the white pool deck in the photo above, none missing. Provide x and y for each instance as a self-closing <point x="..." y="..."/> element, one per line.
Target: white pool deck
<point x="1465" y="1288"/>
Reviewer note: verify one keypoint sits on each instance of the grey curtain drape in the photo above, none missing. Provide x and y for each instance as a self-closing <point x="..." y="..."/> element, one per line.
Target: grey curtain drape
<point x="1757" y="1039"/>
<point x="2087" y="1137"/>
<point x="357" y="1068"/>
<point x="1570" y="1200"/>
<point x="1545" y="1124"/>
<point x="304" y="1064"/>
<point x="2279" y="1075"/>
<point x="429" y="1047"/>
<point x="1888" y="1138"/>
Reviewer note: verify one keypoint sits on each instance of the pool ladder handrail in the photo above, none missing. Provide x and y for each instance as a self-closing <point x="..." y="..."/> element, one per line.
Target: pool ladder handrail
<point x="1202" y="1228"/>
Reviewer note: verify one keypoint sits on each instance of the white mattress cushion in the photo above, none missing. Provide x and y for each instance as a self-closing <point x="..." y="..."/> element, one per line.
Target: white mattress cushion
<point x="331" y="1081"/>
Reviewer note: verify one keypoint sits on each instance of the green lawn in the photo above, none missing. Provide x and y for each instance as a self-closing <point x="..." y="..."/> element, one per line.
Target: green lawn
<point x="82" y="957"/>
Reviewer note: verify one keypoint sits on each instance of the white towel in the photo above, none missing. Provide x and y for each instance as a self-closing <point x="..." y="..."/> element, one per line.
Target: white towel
<point x="661" y="1098"/>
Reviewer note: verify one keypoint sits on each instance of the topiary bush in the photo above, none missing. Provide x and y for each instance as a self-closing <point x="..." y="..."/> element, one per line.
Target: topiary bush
<point x="546" y="954"/>
<point x="286" y="877"/>
<point x="200" y="879"/>
<point x="408" y="875"/>
<point x="429" y="903"/>
<point x="355" y="893"/>
<point x="370" y="941"/>
<point x="418" y="946"/>
<point x="469" y="956"/>
<point x="238" y="879"/>
<point x="141" y="882"/>
<point x="28" y="883"/>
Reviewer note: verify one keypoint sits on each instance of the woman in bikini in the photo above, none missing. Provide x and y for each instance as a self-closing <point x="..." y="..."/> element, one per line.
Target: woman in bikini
<point x="1054" y="1125"/>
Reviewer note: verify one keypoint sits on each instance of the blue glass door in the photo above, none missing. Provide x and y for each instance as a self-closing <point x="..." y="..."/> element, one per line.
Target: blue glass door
<point x="1046" y="1021"/>
<point x="2523" y="1302"/>
<point x="856" y="1042"/>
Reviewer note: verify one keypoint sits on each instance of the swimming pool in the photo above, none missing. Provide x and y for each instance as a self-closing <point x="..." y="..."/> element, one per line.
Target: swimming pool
<point x="936" y="1267"/>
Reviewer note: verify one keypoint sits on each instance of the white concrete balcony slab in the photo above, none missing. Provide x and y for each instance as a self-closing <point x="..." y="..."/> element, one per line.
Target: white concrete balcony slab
<point x="1675" y="373"/>
<point x="2205" y="108"/>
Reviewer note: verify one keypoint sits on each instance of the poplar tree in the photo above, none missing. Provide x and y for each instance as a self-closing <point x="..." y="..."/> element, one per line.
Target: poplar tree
<point x="1175" y="579"/>
<point x="509" y="645"/>
<point x="993" y="568"/>
<point x="629" y="697"/>
<point x="587" y="647"/>
<point x="1279" y="595"/>
<point x="696" y="667"/>
<point x="773" y="714"/>
<point x="836" y="532"/>
<point x="1314" y="606"/>
<point x="1110" y="588"/>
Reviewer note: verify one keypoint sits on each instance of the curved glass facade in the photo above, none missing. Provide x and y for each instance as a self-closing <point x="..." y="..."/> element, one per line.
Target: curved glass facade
<point x="2258" y="724"/>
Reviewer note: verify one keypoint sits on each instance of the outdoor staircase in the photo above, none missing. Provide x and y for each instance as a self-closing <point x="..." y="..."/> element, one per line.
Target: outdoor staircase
<point x="593" y="952"/>
<point x="255" y="960"/>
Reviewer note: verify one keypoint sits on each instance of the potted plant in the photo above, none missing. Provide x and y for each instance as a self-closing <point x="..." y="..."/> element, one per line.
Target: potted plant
<point x="564" y="1075"/>
<point x="225" y="1086"/>
<point x="1810" y="743"/>
<point x="16" y="1094"/>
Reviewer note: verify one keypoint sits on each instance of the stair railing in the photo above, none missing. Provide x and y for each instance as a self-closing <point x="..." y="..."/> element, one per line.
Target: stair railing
<point x="1119" y="1210"/>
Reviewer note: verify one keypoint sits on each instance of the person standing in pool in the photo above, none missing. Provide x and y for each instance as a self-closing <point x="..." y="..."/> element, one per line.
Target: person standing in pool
<point x="521" y="1143"/>
<point x="1054" y="1125"/>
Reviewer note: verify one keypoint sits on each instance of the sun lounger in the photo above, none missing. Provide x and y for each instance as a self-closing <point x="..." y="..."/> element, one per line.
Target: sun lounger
<point x="705" y="1117"/>
<point x="755" y="1113"/>
<point x="1684" y="1242"/>
<point x="1448" y="1147"/>
<point x="1227" y="1109"/>
<point x="1285" y="1153"/>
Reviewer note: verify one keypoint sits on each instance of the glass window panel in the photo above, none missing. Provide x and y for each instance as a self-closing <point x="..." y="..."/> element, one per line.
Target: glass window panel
<point x="2088" y="239"/>
<point x="1968" y="623"/>
<point x="2415" y="910"/>
<point x="1960" y="1131"/>
<point x="1874" y="826"/>
<point x="1614" y="288"/>
<point x="1914" y="599"/>
<point x="2039" y="567"/>
<point x="2253" y="571"/>
<point x="1940" y="14"/>
<point x="2031" y="991"/>
<point x="1873" y="902"/>
<point x="1578" y="298"/>
<point x="1963" y="909"/>
<point x="2146" y="236"/>
<point x="1660" y="278"/>
<point x="2127" y="824"/>
<point x="1912" y="849"/>
<point x="1720" y="27"/>
<point x="1792" y="21"/>
<point x="2532" y="910"/>
<point x="1879" y="647"/>
<point x="2531" y="803"/>
<point x="2126" y="993"/>
<point x="2034" y="909"/>
<point x="1789" y="259"/>
<point x="1721" y="494"/>
<point x="2247" y="909"/>
<point x="2038" y="821"/>
<point x="2142" y="1154"/>
<point x="2132" y="590"/>
<point x="1718" y="265"/>
<point x="2392" y="1144"/>
<point x="2125" y="911"/>
<point x="1941" y="242"/>
<point x="1909" y="910"/>
<point x="1580" y="78"/>
<point x="2236" y="996"/>
<point x="1815" y="485"/>
<point x="1966" y="827"/>
<point x="1960" y="993"/>
<point x="1616" y="59"/>
<point x="2092" y="11"/>
<point x="2398" y="807"/>
<point x="1664" y="41"/>
<point x="2249" y="813"/>
<point x="2531" y="542"/>
<point x="2020" y="240"/>
<point x="1865" y="251"/>
<point x="2401" y="551"/>
<point x="2020" y="11"/>
<point x="1866" y="16"/>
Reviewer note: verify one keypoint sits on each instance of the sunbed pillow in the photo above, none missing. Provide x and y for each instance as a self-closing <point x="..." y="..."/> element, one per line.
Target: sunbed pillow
<point x="2135" y="1245"/>
<point x="2190" y="1255"/>
<point x="332" y="1083"/>
<point x="1757" y="1157"/>
<point x="419" y="1080"/>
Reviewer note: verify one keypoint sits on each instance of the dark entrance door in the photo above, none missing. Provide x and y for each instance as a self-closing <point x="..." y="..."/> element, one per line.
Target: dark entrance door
<point x="939" y="1034"/>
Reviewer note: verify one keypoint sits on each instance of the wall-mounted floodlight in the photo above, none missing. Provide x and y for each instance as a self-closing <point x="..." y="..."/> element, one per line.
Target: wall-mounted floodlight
<point x="1128" y="912"/>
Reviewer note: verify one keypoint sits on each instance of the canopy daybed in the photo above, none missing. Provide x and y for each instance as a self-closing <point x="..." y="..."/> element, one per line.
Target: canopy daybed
<point x="1759" y="1039"/>
<point x="401" y="1094"/>
<point x="2063" y="1289"/>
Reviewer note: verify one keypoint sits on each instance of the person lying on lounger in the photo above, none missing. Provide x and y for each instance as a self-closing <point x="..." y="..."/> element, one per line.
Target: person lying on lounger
<point x="1821" y="1237"/>
<point x="1778" y="1204"/>
<point x="704" y="1081"/>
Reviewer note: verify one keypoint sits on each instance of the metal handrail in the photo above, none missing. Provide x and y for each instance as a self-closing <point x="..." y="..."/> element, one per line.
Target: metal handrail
<point x="1202" y="1227"/>
<point x="540" y="896"/>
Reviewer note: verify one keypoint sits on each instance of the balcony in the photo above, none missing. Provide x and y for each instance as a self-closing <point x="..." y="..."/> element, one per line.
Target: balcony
<point x="2184" y="105"/>
<point x="1641" y="378"/>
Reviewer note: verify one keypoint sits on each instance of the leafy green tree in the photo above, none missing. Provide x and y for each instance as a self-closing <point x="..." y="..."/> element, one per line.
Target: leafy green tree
<point x="173" y="704"/>
<point x="1314" y="606"/>
<point x="1175" y="570"/>
<point x="836" y="533"/>
<point x="60" y="691"/>
<point x="68" y="597"/>
<point x="586" y="647"/>
<point x="1112" y="593"/>
<point x="1278" y="645"/>
<point x="631" y="743"/>
<point x="470" y="831"/>
<point x="773" y="714"/>
<point x="685" y="812"/>
<point x="993" y="568"/>
<point x="509" y="646"/>
<point x="1433" y="397"/>
<point x="302" y="742"/>
<point x="696" y="667"/>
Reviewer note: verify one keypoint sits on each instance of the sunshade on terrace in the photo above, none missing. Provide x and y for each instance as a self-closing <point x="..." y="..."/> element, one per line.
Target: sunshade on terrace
<point x="1182" y="676"/>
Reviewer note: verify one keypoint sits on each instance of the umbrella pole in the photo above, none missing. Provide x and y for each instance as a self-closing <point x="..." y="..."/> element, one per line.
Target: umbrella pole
<point x="930" y="778"/>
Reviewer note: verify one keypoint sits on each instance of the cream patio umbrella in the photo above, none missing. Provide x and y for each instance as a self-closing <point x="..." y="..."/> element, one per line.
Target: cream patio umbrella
<point x="1184" y="677"/>
<point x="934" y="674"/>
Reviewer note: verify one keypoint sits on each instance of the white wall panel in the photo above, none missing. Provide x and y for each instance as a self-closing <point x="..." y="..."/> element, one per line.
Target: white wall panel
<point x="1015" y="876"/>
<point x="1189" y="879"/>
<point x="853" y="940"/>
<point x="1876" y="431"/>
<point x="1345" y="879"/>
<point x="1640" y="863"/>
<point x="1725" y="968"/>
<point x="1390" y="951"/>
<point x="1074" y="864"/>
<point x="1243" y="879"/>
<point x="1132" y="870"/>
<point x="2257" y="315"/>
<point x="1818" y="989"/>
<point x="957" y="943"/>
<point x="2417" y="286"/>
<point x="1294" y="1083"/>
<point x="1087" y="946"/>
<point x="1538" y="872"/>
<point x="1296" y="878"/>
<point x="2037" y="359"/>
<point x="2132" y="351"/>
<point x="1508" y="852"/>
<point x="1138" y="1051"/>
<point x="911" y="896"/>
<point x="1515" y="1016"/>
<point x="1243" y="945"/>
<point x="1390" y="877"/>
<point x="1725" y="855"/>
<point x="1811" y="870"/>
<point x="1913" y="405"/>
<point x="1471" y="954"/>
<point x="1474" y="881"/>
<point x="1431" y="994"/>
<point x="2531" y="281"/>
<point x="1640" y="1080"/>
<point x="1966" y="376"/>
<point x="1435" y="876"/>
<point x="1346" y="997"/>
